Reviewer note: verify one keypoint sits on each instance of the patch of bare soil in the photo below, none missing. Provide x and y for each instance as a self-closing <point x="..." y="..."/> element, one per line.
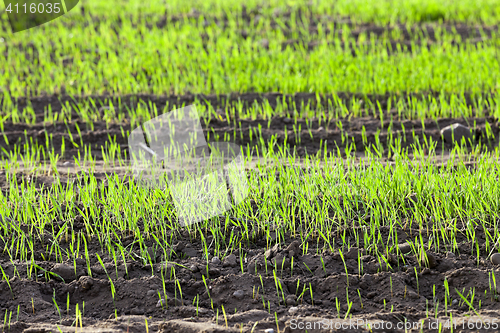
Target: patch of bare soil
<point x="306" y="136"/>
<point x="411" y="38"/>
<point x="319" y="288"/>
<point x="296" y="102"/>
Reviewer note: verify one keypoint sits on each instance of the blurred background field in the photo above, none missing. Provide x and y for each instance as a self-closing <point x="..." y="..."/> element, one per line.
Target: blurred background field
<point x="342" y="110"/>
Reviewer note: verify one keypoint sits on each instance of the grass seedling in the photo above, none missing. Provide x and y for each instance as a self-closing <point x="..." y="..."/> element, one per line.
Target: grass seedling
<point x="162" y="302"/>
<point x="208" y="291"/>
<point x="337" y="306"/>
<point x="311" y="291"/>
<point x="323" y="265"/>
<point x="360" y="300"/>
<point x="225" y="317"/>
<point x="349" y="304"/>
<point x="447" y="297"/>
<point x="469" y="304"/>
<point x="416" y="277"/>
<point x="55" y="303"/>
<point x="345" y="268"/>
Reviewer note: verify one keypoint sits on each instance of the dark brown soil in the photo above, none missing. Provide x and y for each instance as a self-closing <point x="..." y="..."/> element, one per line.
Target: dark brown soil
<point x="137" y="283"/>
<point x="310" y="141"/>
<point x="40" y="103"/>
<point x="238" y="292"/>
<point x="382" y="292"/>
<point x="306" y="136"/>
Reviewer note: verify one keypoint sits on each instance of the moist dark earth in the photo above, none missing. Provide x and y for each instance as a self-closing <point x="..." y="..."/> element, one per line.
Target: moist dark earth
<point x="384" y="295"/>
<point x="386" y="292"/>
<point x="399" y="293"/>
<point x="304" y="136"/>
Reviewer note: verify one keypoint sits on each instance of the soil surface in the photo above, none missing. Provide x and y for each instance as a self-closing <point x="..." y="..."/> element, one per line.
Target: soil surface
<point x="390" y="294"/>
<point x="182" y="291"/>
<point x="238" y="292"/>
<point x="302" y="135"/>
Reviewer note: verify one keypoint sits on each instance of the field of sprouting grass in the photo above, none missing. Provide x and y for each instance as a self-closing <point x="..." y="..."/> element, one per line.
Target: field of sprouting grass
<point x="359" y="207"/>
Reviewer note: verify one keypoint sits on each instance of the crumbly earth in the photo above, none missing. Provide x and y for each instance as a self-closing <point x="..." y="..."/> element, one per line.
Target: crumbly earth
<point x="314" y="133"/>
<point x="382" y="294"/>
<point x="351" y="292"/>
<point x="238" y="294"/>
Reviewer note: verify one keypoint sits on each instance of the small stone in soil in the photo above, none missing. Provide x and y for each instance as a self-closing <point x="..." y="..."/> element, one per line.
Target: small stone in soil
<point x="495" y="259"/>
<point x="293" y="310"/>
<point x="290" y="300"/>
<point x="269" y="330"/>
<point x="455" y="133"/>
<point x="215" y="260"/>
<point x="239" y="294"/>
<point x="412" y="295"/>
<point x="193" y="268"/>
<point x="405" y="248"/>
<point x="190" y="252"/>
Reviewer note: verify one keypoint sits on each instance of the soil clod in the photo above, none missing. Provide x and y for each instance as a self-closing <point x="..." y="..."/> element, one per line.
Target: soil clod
<point x="404" y="248"/>
<point x="86" y="282"/>
<point x="427" y="259"/>
<point x="230" y="261"/>
<point x="65" y="271"/>
<point x="293" y="249"/>
<point x="215" y="260"/>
